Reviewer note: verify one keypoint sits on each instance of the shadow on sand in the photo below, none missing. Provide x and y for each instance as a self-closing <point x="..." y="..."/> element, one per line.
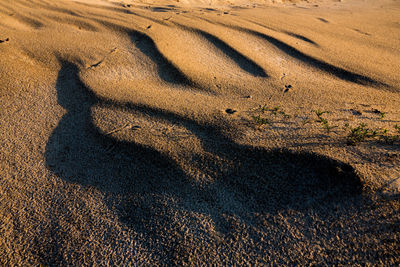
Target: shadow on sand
<point x="150" y="192"/>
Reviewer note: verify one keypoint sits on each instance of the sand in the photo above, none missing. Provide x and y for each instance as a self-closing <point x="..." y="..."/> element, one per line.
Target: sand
<point x="187" y="132"/>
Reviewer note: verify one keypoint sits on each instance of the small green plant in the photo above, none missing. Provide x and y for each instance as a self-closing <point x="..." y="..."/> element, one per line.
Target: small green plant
<point x="278" y="111"/>
<point x="306" y="121"/>
<point x="286" y="116"/>
<point x="260" y="121"/>
<point x="275" y="110"/>
<point x="328" y="127"/>
<point x="388" y="137"/>
<point x="397" y="128"/>
<point x="360" y="133"/>
<point x="380" y="113"/>
<point x="319" y="113"/>
<point x="355" y="135"/>
<point x="263" y="108"/>
<point x="323" y="121"/>
<point x="384" y="131"/>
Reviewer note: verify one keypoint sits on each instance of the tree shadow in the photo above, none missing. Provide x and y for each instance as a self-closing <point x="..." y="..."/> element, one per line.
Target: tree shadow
<point x="150" y="192"/>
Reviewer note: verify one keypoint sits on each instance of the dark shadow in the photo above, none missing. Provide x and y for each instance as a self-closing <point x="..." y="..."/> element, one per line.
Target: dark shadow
<point x="331" y="69"/>
<point x="242" y="61"/>
<point x="149" y="191"/>
<point x="323" y="20"/>
<point x="148" y="47"/>
<point x="295" y="35"/>
<point x="166" y="70"/>
<point x="79" y="153"/>
<point x="301" y="37"/>
<point x="161" y="9"/>
<point x="309" y="60"/>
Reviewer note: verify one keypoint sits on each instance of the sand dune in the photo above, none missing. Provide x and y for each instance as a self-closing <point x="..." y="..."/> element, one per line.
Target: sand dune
<point x="199" y="132"/>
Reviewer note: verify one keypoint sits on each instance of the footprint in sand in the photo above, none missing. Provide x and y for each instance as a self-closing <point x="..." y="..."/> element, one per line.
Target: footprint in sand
<point x="230" y="111"/>
<point x="4" y="40"/>
<point x="287" y="88"/>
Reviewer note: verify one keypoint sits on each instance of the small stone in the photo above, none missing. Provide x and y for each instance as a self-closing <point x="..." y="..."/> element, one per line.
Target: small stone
<point x="230" y="111"/>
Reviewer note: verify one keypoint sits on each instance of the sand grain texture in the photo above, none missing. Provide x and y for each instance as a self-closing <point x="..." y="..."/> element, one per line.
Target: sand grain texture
<point x="185" y="133"/>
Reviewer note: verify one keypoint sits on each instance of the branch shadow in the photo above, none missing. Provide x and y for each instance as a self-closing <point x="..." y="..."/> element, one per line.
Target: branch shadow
<point x="307" y="59"/>
<point x="166" y="70"/>
<point x="241" y="60"/>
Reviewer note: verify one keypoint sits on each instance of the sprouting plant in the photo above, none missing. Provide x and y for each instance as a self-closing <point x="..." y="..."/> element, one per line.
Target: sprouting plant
<point x="360" y="133"/>
<point x="328" y="127"/>
<point x="260" y="121"/>
<point x="275" y="110"/>
<point x="323" y="121"/>
<point x="319" y="113"/>
<point x="306" y="121"/>
<point x="278" y="111"/>
<point x="388" y="138"/>
<point x="384" y="131"/>
<point x="397" y="128"/>
<point x="380" y="113"/>
<point x="286" y="116"/>
<point x="395" y="137"/>
<point x="263" y="108"/>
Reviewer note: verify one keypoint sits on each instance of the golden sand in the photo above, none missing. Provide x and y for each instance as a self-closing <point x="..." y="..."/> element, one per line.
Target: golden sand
<point x="199" y="132"/>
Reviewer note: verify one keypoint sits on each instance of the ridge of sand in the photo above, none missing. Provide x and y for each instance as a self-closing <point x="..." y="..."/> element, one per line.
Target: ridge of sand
<point x="129" y="132"/>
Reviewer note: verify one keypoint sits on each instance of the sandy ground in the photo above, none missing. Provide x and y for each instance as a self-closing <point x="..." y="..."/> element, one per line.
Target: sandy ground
<point x="187" y="132"/>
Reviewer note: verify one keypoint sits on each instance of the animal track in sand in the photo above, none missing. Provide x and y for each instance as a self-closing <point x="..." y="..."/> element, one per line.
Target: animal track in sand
<point x="230" y="111"/>
<point x="4" y="40"/>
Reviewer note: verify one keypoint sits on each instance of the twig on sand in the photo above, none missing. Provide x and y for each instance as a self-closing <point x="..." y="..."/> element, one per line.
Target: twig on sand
<point x="104" y="58"/>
